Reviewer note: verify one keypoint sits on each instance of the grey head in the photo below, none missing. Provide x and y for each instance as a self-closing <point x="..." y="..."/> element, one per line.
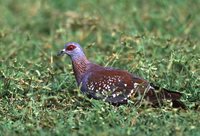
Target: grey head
<point x="79" y="60"/>
<point x="72" y="49"/>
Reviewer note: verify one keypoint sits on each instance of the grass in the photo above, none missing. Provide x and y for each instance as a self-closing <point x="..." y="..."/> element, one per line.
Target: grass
<point x="158" y="40"/>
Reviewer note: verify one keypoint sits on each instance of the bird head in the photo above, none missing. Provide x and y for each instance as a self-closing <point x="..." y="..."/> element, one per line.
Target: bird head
<point x="72" y="49"/>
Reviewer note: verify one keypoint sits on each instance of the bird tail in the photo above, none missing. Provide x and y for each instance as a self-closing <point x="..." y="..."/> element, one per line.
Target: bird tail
<point x="164" y="94"/>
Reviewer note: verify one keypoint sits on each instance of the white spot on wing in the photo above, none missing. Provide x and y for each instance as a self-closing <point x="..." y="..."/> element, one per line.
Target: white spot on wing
<point x="114" y="95"/>
<point x="135" y="85"/>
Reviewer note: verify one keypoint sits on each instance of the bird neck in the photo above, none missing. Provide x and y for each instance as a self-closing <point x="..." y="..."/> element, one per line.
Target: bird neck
<point x="80" y="66"/>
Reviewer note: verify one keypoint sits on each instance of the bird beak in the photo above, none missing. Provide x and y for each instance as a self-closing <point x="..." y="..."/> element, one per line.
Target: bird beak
<point x="61" y="53"/>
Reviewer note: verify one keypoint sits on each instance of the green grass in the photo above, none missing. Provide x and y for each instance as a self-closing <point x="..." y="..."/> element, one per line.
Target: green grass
<point x="158" y="40"/>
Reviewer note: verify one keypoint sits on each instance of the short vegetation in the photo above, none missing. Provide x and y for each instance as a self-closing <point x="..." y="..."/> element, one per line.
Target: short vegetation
<point x="157" y="40"/>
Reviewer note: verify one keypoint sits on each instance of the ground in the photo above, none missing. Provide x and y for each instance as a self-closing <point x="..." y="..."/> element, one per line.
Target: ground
<point x="157" y="40"/>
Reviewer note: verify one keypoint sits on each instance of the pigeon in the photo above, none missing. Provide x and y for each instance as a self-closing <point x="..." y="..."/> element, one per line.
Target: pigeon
<point x="113" y="85"/>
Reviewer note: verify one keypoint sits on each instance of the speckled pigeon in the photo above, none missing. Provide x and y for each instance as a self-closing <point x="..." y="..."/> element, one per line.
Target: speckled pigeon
<point x="113" y="85"/>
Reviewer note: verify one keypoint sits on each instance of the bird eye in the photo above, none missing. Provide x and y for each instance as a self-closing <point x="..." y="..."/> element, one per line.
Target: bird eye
<point x="70" y="47"/>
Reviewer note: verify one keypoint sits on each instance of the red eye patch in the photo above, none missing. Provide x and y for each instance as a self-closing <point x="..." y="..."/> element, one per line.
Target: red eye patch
<point x="70" y="47"/>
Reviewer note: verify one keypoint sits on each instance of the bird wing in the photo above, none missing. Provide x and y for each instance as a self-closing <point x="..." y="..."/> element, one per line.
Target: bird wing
<point x="114" y="86"/>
